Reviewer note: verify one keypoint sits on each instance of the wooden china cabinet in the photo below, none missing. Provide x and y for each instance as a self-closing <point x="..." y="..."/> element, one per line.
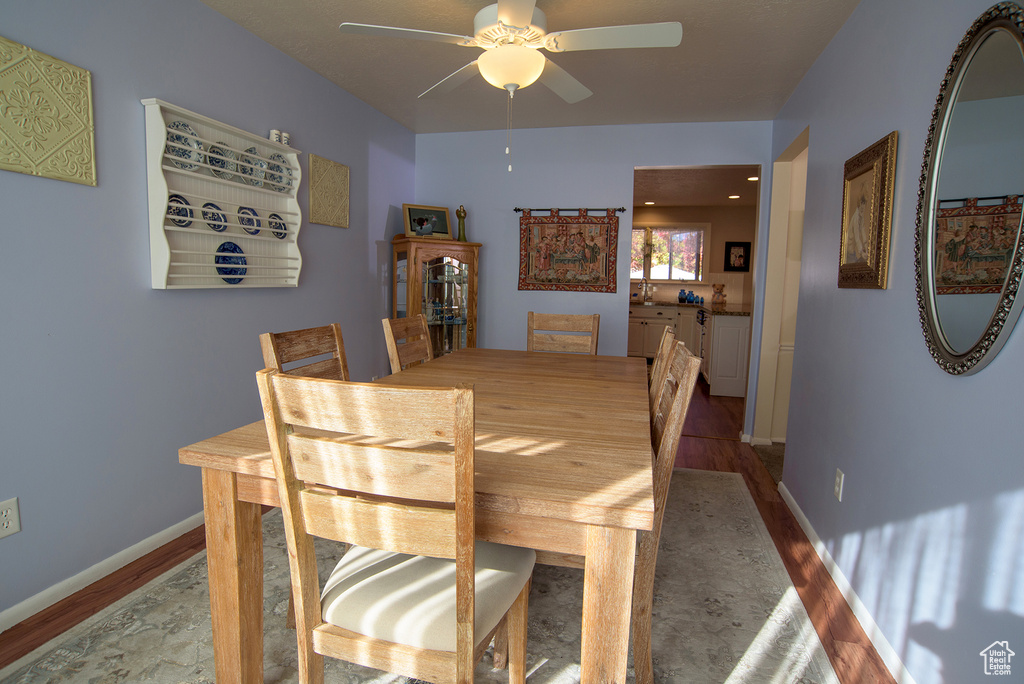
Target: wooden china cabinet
<point x="437" y="278"/>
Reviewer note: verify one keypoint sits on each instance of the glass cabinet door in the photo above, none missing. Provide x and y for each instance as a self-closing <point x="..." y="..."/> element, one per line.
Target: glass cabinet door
<point x="445" y="300"/>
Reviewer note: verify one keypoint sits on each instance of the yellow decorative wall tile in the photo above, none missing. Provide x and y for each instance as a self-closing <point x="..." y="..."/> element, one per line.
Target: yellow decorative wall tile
<point x="328" y="192"/>
<point x="46" y="126"/>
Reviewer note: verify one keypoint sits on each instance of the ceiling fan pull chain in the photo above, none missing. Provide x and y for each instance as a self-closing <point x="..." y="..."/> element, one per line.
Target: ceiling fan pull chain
<point x="508" y="132"/>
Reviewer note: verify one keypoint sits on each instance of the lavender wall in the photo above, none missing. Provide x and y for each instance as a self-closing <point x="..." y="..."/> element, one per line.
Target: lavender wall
<point x="107" y="378"/>
<point x="929" y="532"/>
<point x="564" y="167"/>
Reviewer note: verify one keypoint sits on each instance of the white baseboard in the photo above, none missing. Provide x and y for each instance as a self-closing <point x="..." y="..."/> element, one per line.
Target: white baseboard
<point x="62" y="590"/>
<point x="885" y="650"/>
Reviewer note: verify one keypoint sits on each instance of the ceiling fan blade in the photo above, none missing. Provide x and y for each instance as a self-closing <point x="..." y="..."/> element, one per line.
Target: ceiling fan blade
<point x="562" y="84"/>
<point x="452" y="81"/>
<point x="404" y="33"/>
<point x="664" y="34"/>
<point x="518" y="13"/>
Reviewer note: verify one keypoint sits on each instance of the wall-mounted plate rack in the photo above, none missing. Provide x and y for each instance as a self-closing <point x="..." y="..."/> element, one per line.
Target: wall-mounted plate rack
<point x="223" y="207"/>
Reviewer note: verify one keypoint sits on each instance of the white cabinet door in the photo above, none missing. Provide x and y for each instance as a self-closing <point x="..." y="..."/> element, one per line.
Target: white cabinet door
<point x="646" y="325"/>
<point x="635" y="339"/>
<point x="730" y="352"/>
<point x="685" y="324"/>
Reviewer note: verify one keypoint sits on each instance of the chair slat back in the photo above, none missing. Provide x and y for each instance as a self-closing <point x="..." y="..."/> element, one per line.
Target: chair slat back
<point x="370" y="464"/>
<point x="415" y="349"/>
<point x="667" y="422"/>
<point x="557" y="326"/>
<point x="283" y="352"/>
<point x="659" y="368"/>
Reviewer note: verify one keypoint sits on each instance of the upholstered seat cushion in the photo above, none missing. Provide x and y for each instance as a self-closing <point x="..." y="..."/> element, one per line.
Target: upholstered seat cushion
<point x="411" y="599"/>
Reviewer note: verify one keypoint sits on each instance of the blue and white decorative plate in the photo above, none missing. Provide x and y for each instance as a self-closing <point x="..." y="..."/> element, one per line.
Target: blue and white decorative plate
<point x="279" y="172"/>
<point x="184" y="146"/>
<point x="214" y="217"/>
<point x="230" y="253"/>
<point x="179" y="206"/>
<point x="249" y="220"/>
<point x="253" y="168"/>
<point x="223" y="161"/>
<point x="278" y="226"/>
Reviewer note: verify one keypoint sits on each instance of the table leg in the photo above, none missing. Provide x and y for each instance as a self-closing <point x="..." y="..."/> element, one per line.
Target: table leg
<point x="234" y="556"/>
<point x="607" y="594"/>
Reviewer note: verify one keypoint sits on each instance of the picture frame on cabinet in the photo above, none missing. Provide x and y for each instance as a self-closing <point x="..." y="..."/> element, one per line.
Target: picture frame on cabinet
<point x="426" y="221"/>
<point x="868" y="179"/>
<point x="737" y="256"/>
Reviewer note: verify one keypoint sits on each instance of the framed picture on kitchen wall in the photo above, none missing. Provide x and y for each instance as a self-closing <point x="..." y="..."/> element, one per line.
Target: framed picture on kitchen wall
<point x="737" y="256"/>
<point x="424" y="221"/>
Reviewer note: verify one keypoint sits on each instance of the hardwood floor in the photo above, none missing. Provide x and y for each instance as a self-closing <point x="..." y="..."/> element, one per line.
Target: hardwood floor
<point x="33" y="632"/>
<point x="710" y="442"/>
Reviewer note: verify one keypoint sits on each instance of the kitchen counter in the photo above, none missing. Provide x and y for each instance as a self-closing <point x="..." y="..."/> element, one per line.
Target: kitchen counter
<point x="730" y="309"/>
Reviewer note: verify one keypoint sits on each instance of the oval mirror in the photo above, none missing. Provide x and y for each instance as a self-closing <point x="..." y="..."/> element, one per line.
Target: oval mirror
<point x="968" y="247"/>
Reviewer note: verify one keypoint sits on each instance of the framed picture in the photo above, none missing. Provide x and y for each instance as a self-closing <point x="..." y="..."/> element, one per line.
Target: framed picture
<point x="328" y="192"/>
<point x="422" y="221"/>
<point x="867" y="216"/>
<point x="737" y="256"/>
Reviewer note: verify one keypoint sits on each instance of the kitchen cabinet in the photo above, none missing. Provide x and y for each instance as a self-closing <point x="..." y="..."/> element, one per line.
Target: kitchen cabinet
<point x="686" y="324"/>
<point x="437" y="278"/>
<point x="728" y="354"/>
<point x="646" y="326"/>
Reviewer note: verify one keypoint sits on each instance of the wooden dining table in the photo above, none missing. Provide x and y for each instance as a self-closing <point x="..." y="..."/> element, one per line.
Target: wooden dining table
<point x="563" y="465"/>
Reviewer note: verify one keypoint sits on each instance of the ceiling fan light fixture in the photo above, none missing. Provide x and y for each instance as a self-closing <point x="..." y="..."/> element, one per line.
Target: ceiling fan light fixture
<point x="511" y="66"/>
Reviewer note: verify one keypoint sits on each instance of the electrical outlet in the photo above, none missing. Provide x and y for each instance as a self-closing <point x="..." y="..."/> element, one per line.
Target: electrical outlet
<point x="839" y="484"/>
<point x="10" y="521"/>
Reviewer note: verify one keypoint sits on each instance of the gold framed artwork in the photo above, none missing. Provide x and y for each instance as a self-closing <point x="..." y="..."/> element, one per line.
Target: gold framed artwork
<point x="867" y="216"/>
<point x="328" y="192"/>
<point x="424" y="221"/>
<point x="46" y="125"/>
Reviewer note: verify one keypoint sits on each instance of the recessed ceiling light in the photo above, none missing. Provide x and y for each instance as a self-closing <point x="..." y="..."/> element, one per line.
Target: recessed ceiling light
<point x="752" y="178"/>
<point x="648" y="202"/>
<point x="734" y="196"/>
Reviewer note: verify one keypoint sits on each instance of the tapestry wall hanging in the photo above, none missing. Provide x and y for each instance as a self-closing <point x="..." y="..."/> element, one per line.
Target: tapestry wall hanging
<point x="46" y="126"/>
<point x="572" y="252"/>
<point x="974" y="244"/>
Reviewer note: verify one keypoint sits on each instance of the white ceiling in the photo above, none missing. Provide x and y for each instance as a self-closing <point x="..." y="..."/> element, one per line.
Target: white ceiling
<point x="739" y="60"/>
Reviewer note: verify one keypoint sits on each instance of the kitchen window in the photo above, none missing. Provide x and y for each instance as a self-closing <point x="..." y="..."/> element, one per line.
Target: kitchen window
<point x="668" y="253"/>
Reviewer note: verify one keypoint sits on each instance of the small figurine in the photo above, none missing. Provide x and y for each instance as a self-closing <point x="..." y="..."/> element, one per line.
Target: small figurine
<point x="461" y="214"/>
<point x="718" y="297"/>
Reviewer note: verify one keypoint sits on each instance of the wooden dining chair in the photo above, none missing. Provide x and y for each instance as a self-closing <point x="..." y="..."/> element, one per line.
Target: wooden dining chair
<point x="561" y="332"/>
<point x="405" y="597"/>
<point x="415" y="349"/>
<point x="286" y="350"/>
<point x="667" y="419"/>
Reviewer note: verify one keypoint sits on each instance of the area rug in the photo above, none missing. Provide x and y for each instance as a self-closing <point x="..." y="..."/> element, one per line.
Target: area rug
<point x="772" y="456"/>
<point x="724" y="611"/>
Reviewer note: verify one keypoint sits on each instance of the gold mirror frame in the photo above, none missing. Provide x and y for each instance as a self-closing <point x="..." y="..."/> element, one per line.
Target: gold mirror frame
<point x="1009" y="17"/>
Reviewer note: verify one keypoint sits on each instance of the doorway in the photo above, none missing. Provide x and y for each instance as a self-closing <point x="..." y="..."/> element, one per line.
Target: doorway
<point x="713" y="210"/>
<point x="782" y="286"/>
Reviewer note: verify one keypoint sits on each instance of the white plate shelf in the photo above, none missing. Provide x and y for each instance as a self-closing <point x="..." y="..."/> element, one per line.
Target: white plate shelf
<point x="223" y="207"/>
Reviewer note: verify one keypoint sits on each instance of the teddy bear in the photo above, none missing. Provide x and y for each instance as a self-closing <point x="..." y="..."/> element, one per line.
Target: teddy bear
<point x="718" y="297"/>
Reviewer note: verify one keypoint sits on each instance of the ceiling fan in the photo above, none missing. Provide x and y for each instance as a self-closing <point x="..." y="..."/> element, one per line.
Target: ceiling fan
<point x="512" y="32"/>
